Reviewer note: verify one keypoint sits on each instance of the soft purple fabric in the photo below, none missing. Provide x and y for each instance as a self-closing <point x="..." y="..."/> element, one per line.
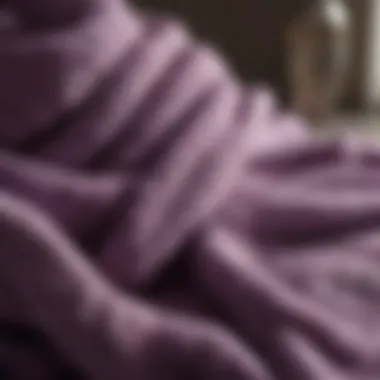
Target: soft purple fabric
<point x="159" y="220"/>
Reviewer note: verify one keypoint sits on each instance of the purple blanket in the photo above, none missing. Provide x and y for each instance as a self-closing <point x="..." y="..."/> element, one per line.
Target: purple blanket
<point x="159" y="220"/>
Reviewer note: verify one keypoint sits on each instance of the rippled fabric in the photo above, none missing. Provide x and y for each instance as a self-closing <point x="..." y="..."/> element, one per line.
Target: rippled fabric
<point x="161" y="220"/>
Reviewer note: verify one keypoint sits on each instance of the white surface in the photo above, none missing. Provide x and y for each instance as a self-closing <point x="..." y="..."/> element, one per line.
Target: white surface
<point x="367" y="126"/>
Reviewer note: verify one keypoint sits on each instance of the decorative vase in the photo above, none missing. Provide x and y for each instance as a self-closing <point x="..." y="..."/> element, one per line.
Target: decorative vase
<point x="319" y="43"/>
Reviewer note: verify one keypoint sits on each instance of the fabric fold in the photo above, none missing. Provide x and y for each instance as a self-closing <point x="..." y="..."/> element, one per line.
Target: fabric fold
<point x="136" y="170"/>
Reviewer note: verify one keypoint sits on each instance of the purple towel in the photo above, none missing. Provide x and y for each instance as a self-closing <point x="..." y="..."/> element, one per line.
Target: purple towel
<point x="159" y="220"/>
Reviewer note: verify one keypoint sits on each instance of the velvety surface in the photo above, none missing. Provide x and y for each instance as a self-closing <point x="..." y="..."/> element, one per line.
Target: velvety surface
<point x="159" y="220"/>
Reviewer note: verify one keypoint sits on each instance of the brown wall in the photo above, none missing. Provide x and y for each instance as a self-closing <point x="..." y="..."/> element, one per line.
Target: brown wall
<point x="249" y="32"/>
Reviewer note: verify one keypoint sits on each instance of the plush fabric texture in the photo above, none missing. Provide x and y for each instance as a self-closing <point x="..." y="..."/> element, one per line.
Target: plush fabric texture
<point x="160" y="220"/>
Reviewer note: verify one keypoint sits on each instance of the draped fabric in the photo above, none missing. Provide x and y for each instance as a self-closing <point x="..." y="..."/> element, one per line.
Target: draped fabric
<point x="161" y="220"/>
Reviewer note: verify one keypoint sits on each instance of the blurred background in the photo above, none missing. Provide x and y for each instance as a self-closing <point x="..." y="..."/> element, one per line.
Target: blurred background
<point x="254" y="35"/>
